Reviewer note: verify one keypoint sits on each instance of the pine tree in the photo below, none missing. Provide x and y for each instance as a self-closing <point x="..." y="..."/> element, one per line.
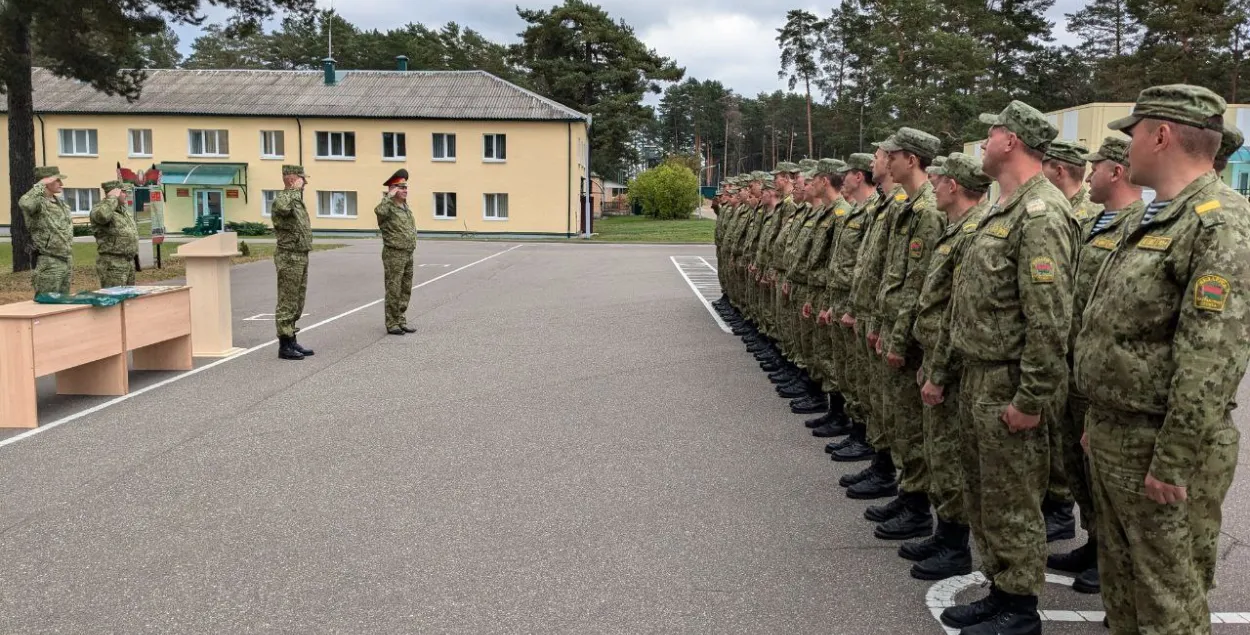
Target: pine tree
<point x="800" y="45"/>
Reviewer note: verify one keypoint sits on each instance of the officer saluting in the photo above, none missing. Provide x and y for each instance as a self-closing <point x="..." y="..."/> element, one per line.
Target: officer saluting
<point x="399" y="239"/>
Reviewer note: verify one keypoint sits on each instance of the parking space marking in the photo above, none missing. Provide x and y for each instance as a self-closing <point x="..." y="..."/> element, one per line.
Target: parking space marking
<point x="702" y="278"/>
<point x="267" y="317"/>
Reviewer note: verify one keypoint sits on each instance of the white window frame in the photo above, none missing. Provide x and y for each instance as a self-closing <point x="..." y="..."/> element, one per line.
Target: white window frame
<point x="73" y="197"/>
<point x="272" y="138"/>
<point x="350" y="201"/>
<point x="491" y="139"/>
<point x="266" y="202"/>
<point x="455" y="203"/>
<point x="145" y="140"/>
<point x="218" y="135"/>
<point x="443" y="137"/>
<point x="330" y="136"/>
<point x="488" y="208"/>
<point x="393" y="146"/>
<point x="90" y="141"/>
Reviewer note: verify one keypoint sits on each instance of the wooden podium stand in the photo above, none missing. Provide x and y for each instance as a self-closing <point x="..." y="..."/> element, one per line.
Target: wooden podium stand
<point x="208" y="275"/>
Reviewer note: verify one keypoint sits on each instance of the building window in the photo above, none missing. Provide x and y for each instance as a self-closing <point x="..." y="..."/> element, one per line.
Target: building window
<point x="336" y="204"/>
<point x="495" y="147"/>
<point x="79" y="143"/>
<point x="496" y="206"/>
<point x="140" y="143"/>
<point x="81" y="200"/>
<point x="336" y="145"/>
<point x="444" y="205"/>
<point x="266" y="204"/>
<point x="1071" y="123"/>
<point x="444" y="146"/>
<point x="394" y="146"/>
<point x="209" y="143"/>
<point x="272" y="144"/>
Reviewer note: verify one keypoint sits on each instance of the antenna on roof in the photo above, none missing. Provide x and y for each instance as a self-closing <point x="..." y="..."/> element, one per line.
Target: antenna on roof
<point x="330" y="29"/>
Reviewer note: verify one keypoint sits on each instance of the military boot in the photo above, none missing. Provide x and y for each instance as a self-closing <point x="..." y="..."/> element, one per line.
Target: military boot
<point x="1017" y="615"/>
<point x="882" y="463"/>
<point x="1060" y="523"/>
<point x="874" y="487"/>
<point x="966" y="615"/>
<point x="794" y="389"/>
<point x="838" y="423"/>
<point x="812" y="424"/>
<point x="881" y="513"/>
<point x="770" y="366"/>
<point x="306" y="352"/>
<point x="814" y="402"/>
<point x="922" y="550"/>
<point x="953" y="556"/>
<point x="287" y="351"/>
<point x="916" y="520"/>
<point x="744" y="330"/>
<point x="855" y="451"/>
<point x="782" y="377"/>
<point x="1088" y="581"/>
<point x="1075" y="561"/>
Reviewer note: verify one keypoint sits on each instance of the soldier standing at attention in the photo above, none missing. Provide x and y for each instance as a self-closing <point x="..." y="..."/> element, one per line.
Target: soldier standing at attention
<point x="116" y="236"/>
<point x="293" y="231"/>
<point x="1109" y="186"/>
<point x="399" y="239"/>
<point x="1162" y="348"/>
<point x="1011" y="311"/>
<point x="51" y="232"/>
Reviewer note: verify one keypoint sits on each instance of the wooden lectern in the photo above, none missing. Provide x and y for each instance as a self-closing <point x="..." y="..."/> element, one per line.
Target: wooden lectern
<point x="208" y="275"/>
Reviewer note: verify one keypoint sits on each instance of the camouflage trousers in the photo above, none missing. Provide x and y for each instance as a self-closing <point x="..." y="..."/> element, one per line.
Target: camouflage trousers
<point x="292" y="269"/>
<point x="115" y="271"/>
<point x="52" y="275"/>
<point x="1157" y="562"/>
<point x="804" y="329"/>
<point x="943" y="452"/>
<point x="872" y="376"/>
<point x="904" y="414"/>
<point x="1075" y="462"/>
<point x="837" y="355"/>
<point x="1005" y="477"/>
<point x="397" y="272"/>
<point x="1058" y="489"/>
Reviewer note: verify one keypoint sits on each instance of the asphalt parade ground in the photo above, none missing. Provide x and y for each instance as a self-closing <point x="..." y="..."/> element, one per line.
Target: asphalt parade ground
<point x="571" y="443"/>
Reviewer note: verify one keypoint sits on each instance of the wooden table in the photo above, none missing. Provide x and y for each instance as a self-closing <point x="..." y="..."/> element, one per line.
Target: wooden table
<point x="158" y="329"/>
<point x="82" y="345"/>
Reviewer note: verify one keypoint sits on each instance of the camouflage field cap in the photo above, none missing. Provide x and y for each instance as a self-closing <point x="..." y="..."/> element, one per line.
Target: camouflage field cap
<point x="829" y="167"/>
<point x="861" y="161"/>
<point x="964" y="170"/>
<point x="1112" y="149"/>
<point x="1025" y="122"/>
<point x="786" y="167"/>
<point x="47" y="171"/>
<point x="917" y="142"/>
<point x="109" y="186"/>
<point x="1232" y="140"/>
<point x="1068" y="152"/>
<point x="937" y="162"/>
<point x="768" y="182"/>
<point x="1178" y="103"/>
<point x="760" y="175"/>
<point x="297" y="170"/>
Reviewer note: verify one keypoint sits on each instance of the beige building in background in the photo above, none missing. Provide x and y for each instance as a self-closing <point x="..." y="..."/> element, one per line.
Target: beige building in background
<point x="485" y="156"/>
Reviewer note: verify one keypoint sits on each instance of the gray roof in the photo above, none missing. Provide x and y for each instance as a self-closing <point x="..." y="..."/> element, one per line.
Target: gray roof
<point x="260" y="93"/>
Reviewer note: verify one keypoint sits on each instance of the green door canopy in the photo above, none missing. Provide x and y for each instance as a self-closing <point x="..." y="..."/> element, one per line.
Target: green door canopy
<point x="217" y="174"/>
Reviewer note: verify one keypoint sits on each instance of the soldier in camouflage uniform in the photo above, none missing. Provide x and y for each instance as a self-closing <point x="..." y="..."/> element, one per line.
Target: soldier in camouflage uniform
<point x="1109" y="186"/>
<point x="792" y="250"/>
<point x="1011" y="311"/>
<point x="399" y="239"/>
<point x="959" y="185"/>
<point x="770" y="347"/>
<point x="116" y="236"/>
<point x="1163" y="345"/>
<point x="938" y="161"/>
<point x="293" y="231"/>
<point x="794" y="212"/>
<point x="51" y="230"/>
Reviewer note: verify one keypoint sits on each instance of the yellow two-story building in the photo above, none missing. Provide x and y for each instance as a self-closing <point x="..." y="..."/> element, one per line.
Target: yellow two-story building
<point x="484" y="155"/>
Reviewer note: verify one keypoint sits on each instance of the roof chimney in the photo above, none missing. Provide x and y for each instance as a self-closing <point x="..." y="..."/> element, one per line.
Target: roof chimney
<point x="401" y="63"/>
<point x="328" y="65"/>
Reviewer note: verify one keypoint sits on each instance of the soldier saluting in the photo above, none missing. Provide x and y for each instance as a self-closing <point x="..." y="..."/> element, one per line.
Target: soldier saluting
<point x="293" y="230"/>
<point x="399" y="239"/>
<point x="116" y="236"/>
<point x="51" y="231"/>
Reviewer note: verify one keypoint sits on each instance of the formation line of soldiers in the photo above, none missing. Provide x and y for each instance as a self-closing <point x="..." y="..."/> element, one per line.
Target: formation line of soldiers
<point x="51" y="229"/>
<point x="996" y="361"/>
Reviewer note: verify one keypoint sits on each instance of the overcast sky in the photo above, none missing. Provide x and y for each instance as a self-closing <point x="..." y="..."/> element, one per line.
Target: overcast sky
<point x="729" y="40"/>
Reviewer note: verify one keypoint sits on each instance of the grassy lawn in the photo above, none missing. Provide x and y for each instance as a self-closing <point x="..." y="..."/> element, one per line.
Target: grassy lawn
<point x="15" y="287"/>
<point x="640" y="229"/>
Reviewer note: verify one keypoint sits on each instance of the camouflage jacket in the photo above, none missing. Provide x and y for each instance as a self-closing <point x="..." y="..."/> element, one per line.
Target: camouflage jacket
<point x="768" y="233"/>
<point x="114" y="229"/>
<point x="790" y="224"/>
<point x="866" y="287"/>
<point x="290" y="221"/>
<point x="399" y="230"/>
<point x="1092" y="250"/>
<point x="1082" y="209"/>
<point x="816" y="264"/>
<point x="1167" y="328"/>
<point x="913" y="233"/>
<point x="803" y="232"/>
<point x="932" y="329"/>
<point x="845" y="252"/>
<point x="48" y="221"/>
<point x="1012" y="296"/>
<point x="753" y="229"/>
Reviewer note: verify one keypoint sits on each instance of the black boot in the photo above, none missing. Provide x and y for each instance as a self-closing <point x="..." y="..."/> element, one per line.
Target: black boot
<point x="953" y="556"/>
<point x="882" y="483"/>
<point x="286" y="351"/>
<point x="1075" y="561"/>
<point x="303" y="351"/>
<point x="783" y="377"/>
<point x="794" y="389"/>
<point x="744" y="330"/>
<point x="1088" y="581"/>
<point x="1017" y="615"/>
<point x="1060" y="523"/>
<point x="922" y="550"/>
<point x="965" y="615"/>
<point x="832" y="428"/>
<point x="881" y="513"/>
<point x="770" y="367"/>
<point x="916" y="521"/>
<point x="811" y="404"/>
<point x="854" y="451"/>
<point x="880" y="461"/>
<point x="812" y="424"/>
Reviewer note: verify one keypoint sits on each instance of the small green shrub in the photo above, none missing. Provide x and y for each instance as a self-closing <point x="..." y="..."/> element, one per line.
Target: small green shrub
<point x="669" y="191"/>
<point x="248" y="229"/>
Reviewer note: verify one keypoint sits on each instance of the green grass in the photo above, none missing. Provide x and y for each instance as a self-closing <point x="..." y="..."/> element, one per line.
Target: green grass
<point x="640" y="229"/>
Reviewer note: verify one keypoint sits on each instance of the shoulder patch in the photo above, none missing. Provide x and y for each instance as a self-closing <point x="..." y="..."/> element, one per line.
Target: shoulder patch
<point x="970" y="227"/>
<point x="841" y="211"/>
<point x="1104" y="243"/>
<point x="998" y="230"/>
<point x="916" y="248"/>
<point x="1211" y="293"/>
<point x="854" y="225"/>
<point x="1035" y="206"/>
<point x="1207" y="207"/>
<point x="900" y="197"/>
<point x="945" y="250"/>
<point x="1155" y="243"/>
<point x="1042" y="270"/>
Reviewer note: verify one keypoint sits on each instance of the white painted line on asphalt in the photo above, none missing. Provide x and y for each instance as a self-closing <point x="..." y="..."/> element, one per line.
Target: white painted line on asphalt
<point x="699" y="294"/>
<point x="709" y="266"/>
<point x="267" y="317"/>
<point x="176" y="378"/>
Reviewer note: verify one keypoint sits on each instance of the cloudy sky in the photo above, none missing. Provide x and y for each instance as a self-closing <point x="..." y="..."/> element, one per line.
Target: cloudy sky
<point x="729" y="40"/>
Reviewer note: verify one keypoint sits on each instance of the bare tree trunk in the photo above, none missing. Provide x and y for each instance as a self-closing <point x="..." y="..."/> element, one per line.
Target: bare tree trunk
<point x="21" y="137"/>
<point x="790" y="151"/>
<point x="725" y="157"/>
<point x="807" y="83"/>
